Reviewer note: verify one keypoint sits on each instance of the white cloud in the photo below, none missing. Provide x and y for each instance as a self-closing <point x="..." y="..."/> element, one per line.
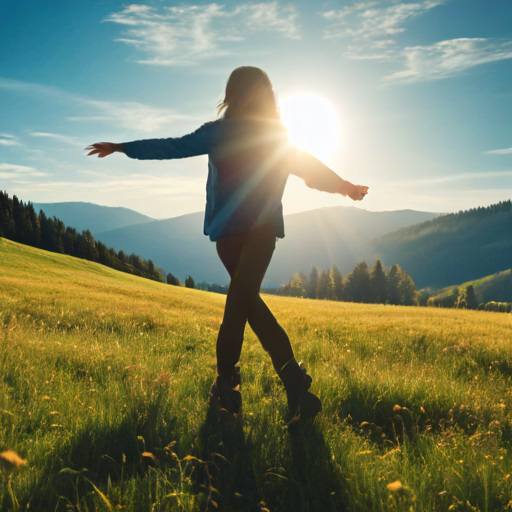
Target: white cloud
<point x="500" y="151"/>
<point x="10" y="171"/>
<point x="17" y="168"/>
<point x="373" y="20"/>
<point x="127" y="114"/>
<point x="8" y="140"/>
<point x="373" y="25"/>
<point x="189" y="33"/>
<point x="66" y="139"/>
<point x="448" y="58"/>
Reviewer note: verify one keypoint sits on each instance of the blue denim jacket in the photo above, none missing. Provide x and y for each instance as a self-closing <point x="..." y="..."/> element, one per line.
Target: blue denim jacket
<point x="247" y="171"/>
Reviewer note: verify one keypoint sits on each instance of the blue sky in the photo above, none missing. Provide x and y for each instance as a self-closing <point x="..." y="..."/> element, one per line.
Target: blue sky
<point x="421" y="90"/>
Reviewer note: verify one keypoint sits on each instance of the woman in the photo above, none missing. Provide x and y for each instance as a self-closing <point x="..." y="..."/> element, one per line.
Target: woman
<point x="250" y="158"/>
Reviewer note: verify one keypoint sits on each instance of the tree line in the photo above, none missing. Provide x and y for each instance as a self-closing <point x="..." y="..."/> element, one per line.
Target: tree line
<point x="363" y="284"/>
<point x="20" y="223"/>
<point x="465" y="298"/>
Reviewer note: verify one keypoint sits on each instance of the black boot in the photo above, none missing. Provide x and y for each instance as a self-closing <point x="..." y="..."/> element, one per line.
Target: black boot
<point x="225" y="392"/>
<point x="301" y="403"/>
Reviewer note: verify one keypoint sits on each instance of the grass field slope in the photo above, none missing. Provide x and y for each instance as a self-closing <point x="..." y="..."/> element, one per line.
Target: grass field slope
<point x="103" y="391"/>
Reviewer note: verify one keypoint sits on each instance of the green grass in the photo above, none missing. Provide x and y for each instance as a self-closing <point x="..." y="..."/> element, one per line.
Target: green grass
<point x="104" y="380"/>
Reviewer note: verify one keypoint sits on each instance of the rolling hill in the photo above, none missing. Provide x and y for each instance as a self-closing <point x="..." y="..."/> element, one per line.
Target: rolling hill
<point x="452" y="249"/>
<point x="322" y="237"/>
<point x="496" y="287"/>
<point x="91" y="216"/>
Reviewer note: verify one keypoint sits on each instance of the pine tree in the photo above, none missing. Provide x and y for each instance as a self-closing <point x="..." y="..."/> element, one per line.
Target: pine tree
<point x="337" y="283"/>
<point x="35" y="237"/>
<point x="295" y="287"/>
<point x="324" y="286"/>
<point x="47" y="232"/>
<point x="408" y="293"/>
<point x="312" y="283"/>
<point x="471" y="297"/>
<point x="393" y="280"/>
<point x="423" y="296"/>
<point x="172" y="280"/>
<point x="4" y="204"/>
<point x="357" y="284"/>
<point x="21" y="234"/>
<point x="467" y="298"/>
<point x="60" y="230"/>
<point x="378" y="283"/>
<point x="189" y="282"/>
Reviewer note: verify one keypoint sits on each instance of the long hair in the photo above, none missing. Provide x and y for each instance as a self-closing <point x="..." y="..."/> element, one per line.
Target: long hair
<point x="249" y="93"/>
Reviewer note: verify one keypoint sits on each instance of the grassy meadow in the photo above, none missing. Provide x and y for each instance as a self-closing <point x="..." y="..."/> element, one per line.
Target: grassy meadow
<point x="104" y="380"/>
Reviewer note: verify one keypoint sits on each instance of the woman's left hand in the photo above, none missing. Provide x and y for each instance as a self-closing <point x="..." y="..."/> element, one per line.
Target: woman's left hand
<point x="355" y="192"/>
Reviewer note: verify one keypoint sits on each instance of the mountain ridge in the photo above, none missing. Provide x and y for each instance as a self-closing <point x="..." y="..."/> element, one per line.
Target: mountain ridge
<point x="322" y="237"/>
<point x="83" y="215"/>
<point x="452" y="249"/>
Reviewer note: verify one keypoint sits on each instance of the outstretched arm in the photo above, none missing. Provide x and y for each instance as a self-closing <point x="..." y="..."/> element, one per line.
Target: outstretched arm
<point x="318" y="176"/>
<point x="193" y="144"/>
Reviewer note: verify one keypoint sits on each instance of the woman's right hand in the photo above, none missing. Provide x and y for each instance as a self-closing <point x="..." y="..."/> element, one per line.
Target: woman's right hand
<point x="103" y="149"/>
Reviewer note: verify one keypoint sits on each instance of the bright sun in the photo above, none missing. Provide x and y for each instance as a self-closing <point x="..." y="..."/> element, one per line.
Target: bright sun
<point x="312" y="123"/>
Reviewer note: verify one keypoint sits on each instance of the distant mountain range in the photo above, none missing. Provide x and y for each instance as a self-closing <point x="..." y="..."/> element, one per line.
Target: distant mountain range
<point x="322" y="237"/>
<point x="452" y="249"/>
<point x="91" y="216"/>
<point x="436" y="250"/>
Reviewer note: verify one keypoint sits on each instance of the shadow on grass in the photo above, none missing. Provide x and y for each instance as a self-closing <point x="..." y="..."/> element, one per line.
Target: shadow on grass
<point x="230" y="480"/>
<point x="302" y="478"/>
<point x="315" y="482"/>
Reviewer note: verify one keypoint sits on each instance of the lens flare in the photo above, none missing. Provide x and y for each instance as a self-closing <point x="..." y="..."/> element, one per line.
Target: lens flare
<point x="313" y="124"/>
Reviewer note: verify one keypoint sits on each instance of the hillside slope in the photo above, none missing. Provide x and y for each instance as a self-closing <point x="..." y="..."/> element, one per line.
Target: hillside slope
<point x="496" y="287"/>
<point x="322" y="237"/>
<point x="94" y="217"/>
<point x="452" y="249"/>
<point x="105" y="379"/>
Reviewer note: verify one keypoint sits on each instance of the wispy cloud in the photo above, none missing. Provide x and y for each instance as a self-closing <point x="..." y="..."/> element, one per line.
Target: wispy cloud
<point x="448" y="58"/>
<point x="10" y="171"/>
<point x="66" y="139"/>
<point x="500" y="151"/>
<point x="459" y="177"/>
<point x="8" y="140"/>
<point x="187" y="34"/>
<point x="131" y="115"/>
<point x="373" y="25"/>
<point x="142" y="184"/>
<point x="127" y="114"/>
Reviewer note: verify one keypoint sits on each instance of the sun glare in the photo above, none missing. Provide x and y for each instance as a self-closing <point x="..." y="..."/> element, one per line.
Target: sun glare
<point x="312" y="123"/>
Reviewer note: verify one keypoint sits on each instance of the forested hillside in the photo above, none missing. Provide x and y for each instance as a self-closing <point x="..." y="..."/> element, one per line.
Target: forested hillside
<point x="496" y="287"/>
<point x="454" y="248"/>
<point x="20" y="223"/>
